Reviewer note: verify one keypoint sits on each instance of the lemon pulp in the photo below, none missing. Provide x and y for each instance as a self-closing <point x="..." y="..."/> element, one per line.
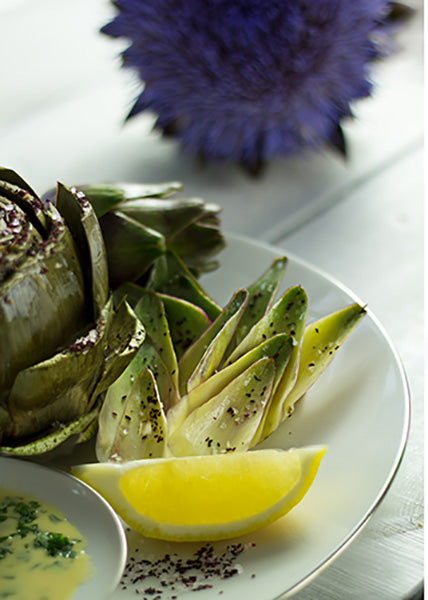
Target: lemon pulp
<point x="191" y="492"/>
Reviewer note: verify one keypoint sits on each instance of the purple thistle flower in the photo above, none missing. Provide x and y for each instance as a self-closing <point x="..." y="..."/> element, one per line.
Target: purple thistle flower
<point x="247" y="81"/>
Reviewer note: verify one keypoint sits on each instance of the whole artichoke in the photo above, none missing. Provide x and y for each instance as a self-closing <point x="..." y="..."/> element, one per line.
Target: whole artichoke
<point x="62" y="340"/>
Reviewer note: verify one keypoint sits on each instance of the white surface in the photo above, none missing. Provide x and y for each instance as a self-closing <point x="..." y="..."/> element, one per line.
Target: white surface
<point x="63" y="102"/>
<point x="85" y="510"/>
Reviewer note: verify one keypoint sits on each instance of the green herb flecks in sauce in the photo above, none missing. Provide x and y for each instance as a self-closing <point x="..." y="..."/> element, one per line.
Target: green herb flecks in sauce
<point x="42" y="555"/>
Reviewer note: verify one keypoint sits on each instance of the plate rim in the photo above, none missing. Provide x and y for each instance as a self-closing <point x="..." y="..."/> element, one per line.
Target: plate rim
<point x="399" y="453"/>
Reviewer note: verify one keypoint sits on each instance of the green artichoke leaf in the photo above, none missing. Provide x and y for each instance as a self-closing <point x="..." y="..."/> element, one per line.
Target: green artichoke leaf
<point x="170" y="276"/>
<point x="76" y="429"/>
<point x="166" y="215"/>
<point x="13" y="187"/>
<point x="83" y="223"/>
<point x="42" y="303"/>
<point x="283" y="317"/>
<point x="228" y="421"/>
<point x="321" y="341"/>
<point x="105" y="196"/>
<point x="202" y="356"/>
<point x="196" y="243"/>
<point x="261" y="294"/>
<point x="187" y="322"/>
<point x="142" y="429"/>
<point x="213" y="355"/>
<point x="151" y="311"/>
<point x="131" y="247"/>
<point x="117" y="394"/>
<point x="60" y="388"/>
<point x="131" y="292"/>
<point x="279" y="348"/>
<point x="11" y="176"/>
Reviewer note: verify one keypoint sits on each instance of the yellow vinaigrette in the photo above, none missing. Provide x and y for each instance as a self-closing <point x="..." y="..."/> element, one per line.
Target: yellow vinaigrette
<point x="205" y="497"/>
<point x="42" y="556"/>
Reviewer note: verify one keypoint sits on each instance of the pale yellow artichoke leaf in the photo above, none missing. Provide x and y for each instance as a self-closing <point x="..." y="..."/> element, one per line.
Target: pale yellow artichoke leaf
<point x="151" y="311"/>
<point x="191" y="359"/>
<point x="142" y="429"/>
<point x="283" y="317"/>
<point x="228" y="421"/>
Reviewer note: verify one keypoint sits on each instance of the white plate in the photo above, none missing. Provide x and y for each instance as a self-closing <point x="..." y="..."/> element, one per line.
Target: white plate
<point x="85" y="509"/>
<point x="359" y="408"/>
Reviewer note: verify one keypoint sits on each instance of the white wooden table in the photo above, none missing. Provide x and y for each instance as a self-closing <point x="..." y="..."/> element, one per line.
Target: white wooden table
<point x="63" y="100"/>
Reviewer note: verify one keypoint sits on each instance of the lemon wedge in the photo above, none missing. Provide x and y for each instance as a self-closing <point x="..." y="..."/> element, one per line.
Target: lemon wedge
<point x="205" y="497"/>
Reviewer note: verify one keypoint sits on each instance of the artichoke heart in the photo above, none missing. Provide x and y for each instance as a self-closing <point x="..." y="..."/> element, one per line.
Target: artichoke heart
<point x="62" y="339"/>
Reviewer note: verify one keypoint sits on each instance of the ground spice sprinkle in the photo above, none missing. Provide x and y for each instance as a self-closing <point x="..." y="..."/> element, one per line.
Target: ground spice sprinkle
<point x="164" y="578"/>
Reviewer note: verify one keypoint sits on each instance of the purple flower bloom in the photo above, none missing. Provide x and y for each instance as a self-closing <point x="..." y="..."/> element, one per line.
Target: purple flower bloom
<point x="247" y="80"/>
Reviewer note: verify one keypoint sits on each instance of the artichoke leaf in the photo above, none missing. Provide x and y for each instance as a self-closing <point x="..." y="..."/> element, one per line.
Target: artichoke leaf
<point x="150" y="310"/>
<point x="261" y="295"/>
<point x="228" y="421"/>
<point x="213" y="355"/>
<point x="193" y="359"/>
<point x="142" y="430"/>
<point x="279" y="348"/>
<point x="105" y="196"/>
<point x="170" y="276"/>
<point x="83" y="223"/>
<point x="26" y="199"/>
<point x="197" y="242"/>
<point x="132" y="247"/>
<point x="61" y="387"/>
<point x="11" y="176"/>
<point x="117" y="394"/>
<point x="124" y="337"/>
<point x="77" y="428"/>
<point x="321" y="341"/>
<point x="166" y="215"/>
<point x="42" y="305"/>
<point x="187" y="322"/>
<point x="282" y="317"/>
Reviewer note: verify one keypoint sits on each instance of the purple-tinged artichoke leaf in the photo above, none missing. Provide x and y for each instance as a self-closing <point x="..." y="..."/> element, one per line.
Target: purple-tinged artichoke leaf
<point x="142" y="430"/>
<point x="131" y="247"/>
<point x="151" y="311"/>
<point x="195" y="353"/>
<point x="73" y="432"/>
<point x="228" y="421"/>
<point x="321" y="341"/>
<point x="282" y="317"/>
<point x="187" y="322"/>
<point x="83" y="223"/>
<point x="170" y="276"/>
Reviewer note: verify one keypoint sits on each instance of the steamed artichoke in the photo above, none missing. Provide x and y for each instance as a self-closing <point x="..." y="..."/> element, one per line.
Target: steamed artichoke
<point x="62" y="342"/>
<point x="220" y="382"/>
